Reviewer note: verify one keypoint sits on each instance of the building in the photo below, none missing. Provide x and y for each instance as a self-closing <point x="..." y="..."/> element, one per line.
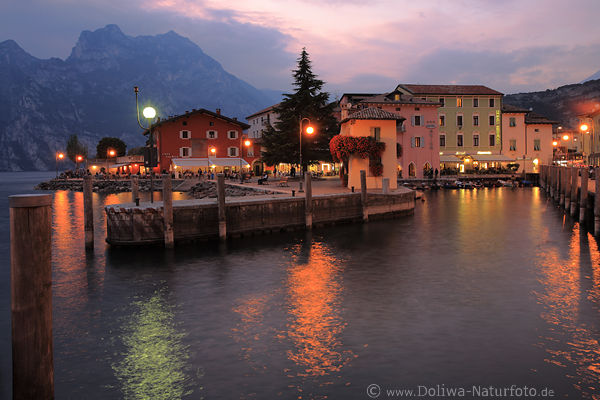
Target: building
<point x="417" y="134"/>
<point x="205" y="140"/>
<point x="591" y="139"/>
<point x="470" y="124"/>
<point x="382" y="126"/>
<point x="528" y="138"/>
<point x="260" y="120"/>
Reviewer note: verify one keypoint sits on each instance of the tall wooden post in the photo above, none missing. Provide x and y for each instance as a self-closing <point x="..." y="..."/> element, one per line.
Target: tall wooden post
<point x="552" y="181"/>
<point x="168" y="211"/>
<point x="31" y="296"/>
<point x="363" y="195"/>
<point x="308" y="206"/>
<point x="561" y="186"/>
<point x="135" y="188"/>
<point x="88" y="212"/>
<point x="583" y="195"/>
<point x="597" y="205"/>
<point x="574" y="187"/>
<point x="221" y="205"/>
<point x="567" y="203"/>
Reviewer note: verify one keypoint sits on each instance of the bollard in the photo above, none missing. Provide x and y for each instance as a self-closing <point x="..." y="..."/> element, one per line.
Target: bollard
<point x="385" y="185"/>
<point x="567" y="203"/>
<point x="597" y="205"/>
<point x="308" y="201"/>
<point x="88" y="212"/>
<point x="363" y="195"/>
<point x="583" y="195"/>
<point x="135" y="187"/>
<point x="168" y="211"/>
<point x="31" y="296"/>
<point x="574" y="187"/>
<point x="221" y="204"/>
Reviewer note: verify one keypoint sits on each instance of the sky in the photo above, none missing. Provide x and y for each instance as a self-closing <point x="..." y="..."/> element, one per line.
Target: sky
<point x="355" y="45"/>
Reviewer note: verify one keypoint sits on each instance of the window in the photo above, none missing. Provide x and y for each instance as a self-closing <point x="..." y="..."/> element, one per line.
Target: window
<point x="442" y="120"/>
<point x="211" y="123"/>
<point x="185" y="134"/>
<point x="475" y="120"/>
<point x="536" y="130"/>
<point x="396" y="97"/>
<point x="536" y="144"/>
<point x="416" y="119"/>
<point x="492" y="139"/>
<point x="492" y="118"/>
<point x="459" y="102"/>
<point x="475" y="140"/>
<point x="250" y="151"/>
<point x="459" y="140"/>
<point x="442" y="101"/>
<point x="232" y="134"/>
<point x="375" y="133"/>
<point x="417" y="141"/>
<point x="492" y="102"/>
<point x="459" y="120"/>
<point x="475" y="102"/>
<point x="185" y="151"/>
<point x="232" y="151"/>
<point x="512" y="121"/>
<point x="513" y="145"/>
<point x="184" y="123"/>
<point x="211" y="134"/>
<point x="442" y="140"/>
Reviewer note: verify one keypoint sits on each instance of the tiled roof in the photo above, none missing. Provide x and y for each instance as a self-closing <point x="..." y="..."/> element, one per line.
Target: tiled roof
<point x="242" y="125"/>
<point x="533" y="118"/>
<point x="508" y="108"/>
<point x="404" y="99"/>
<point x="373" y="113"/>
<point x="262" y="111"/>
<point x="449" y="89"/>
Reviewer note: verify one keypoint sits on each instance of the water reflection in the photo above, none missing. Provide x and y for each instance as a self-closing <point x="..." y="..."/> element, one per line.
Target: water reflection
<point x="315" y="324"/>
<point x="154" y="365"/>
<point x="571" y="284"/>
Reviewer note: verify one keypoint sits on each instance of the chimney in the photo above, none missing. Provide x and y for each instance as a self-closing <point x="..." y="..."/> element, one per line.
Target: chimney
<point x="235" y="118"/>
<point x="218" y="111"/>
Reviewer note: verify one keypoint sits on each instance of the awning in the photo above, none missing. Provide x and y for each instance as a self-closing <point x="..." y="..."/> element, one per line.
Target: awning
<point x="492" y="157"/>
<point x="449" y="159"/>
<point x="203" y="162"/>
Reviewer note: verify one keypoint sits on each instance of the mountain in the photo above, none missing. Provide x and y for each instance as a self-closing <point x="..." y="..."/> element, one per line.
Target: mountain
<point x="592" y="78"/>
<point x="561" y="104"/>
<point x="90" y="93"/>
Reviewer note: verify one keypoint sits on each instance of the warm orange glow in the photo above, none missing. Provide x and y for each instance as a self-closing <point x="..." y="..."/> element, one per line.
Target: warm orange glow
<point x="583" y="127"/>
<point x="135" y="165"/>
<point x="61" y="156"/>
<point x="566" y="137"/>
<point x="94" y="167"/>
<point x="213" y="150"/>
<point x="247" y="143"/>
<point x="310" y="130"/>
<point x="79" y="158"/>
<point x="111" y="153"/>
<point x="555" y="143"/>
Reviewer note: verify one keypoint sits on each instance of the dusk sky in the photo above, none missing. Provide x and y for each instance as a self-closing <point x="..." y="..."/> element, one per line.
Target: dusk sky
<point x="355" y="46"/>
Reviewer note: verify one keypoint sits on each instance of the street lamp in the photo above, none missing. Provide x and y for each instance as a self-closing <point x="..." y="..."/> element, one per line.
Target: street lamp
<point x="246" y="143"/>
<point x="59" y="157"/>
<point x="149" y="113"/>
<point x="213" y="151"/>
<point x="110" y="153"/>
<point x="309" y="131"/>
<point x="78" y="159"/>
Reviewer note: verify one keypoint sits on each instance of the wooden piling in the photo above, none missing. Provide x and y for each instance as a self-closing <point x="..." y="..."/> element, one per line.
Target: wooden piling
<point x="88" y="212"/>
<point x="583" y="195"/>
<point x="363" y="194"/>
<point x="221" y="203"/>
<point x="168" y="211"/>
<point x="552" y="181"/>
<point x="597" y="205"/>
<point x="31" y="296"/>
<point x="567" y="202"/>
<point x="574" y="187"/>
<point x="561" y="186"/>
<point x="135" y="188"/>
<point x="308" y="207"/>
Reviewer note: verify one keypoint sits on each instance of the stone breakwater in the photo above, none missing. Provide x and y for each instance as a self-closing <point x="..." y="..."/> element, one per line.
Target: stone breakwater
<point x="205" y="189"/>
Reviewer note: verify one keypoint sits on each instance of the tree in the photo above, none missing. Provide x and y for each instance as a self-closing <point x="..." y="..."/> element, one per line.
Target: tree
<point x="110" y="143"/>
<point x="281" y="142"/>
<point x="136" y="151"/>
<point x="75" y="148"/>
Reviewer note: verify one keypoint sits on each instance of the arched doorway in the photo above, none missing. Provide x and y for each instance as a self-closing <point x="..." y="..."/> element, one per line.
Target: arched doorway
<point x="257" y="168"/>
<point x="412" y="170"/>
<point x="427" y="170"/>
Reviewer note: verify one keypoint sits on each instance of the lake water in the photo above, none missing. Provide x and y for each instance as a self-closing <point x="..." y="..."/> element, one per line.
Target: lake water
<point x="478" y="288"/>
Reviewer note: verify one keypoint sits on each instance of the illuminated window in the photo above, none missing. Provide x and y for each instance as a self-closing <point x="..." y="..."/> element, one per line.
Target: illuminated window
<point x="459" y="102"/>
<point x="513" y="145"/>
<point x="512" y="121"/>
<point x="442" y="120"/>
<point x="536" y="144"/>
<point x="417" y="141"/>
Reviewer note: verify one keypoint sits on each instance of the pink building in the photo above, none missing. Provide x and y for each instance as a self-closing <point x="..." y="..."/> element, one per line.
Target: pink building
<point x="417" y="137"/>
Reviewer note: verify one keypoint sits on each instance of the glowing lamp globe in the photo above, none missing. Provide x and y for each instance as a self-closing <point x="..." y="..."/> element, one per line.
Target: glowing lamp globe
<point x="310" y="130"/>
<point x="555" y="143"/>
<point x="247" y="143"/>
<point x="61" y="156"/>
<point x="566" y="137"/>
<point x="583" y="127"/>
<point x="213" y="150"/>
<point x="149" y="112"/>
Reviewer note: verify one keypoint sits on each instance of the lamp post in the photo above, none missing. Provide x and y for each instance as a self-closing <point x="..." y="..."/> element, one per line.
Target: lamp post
<point x="110" y="153"/>
<point x="59" y="156"/>
<point x="78" y="159"/>
<point x="246" y="143"/>
<point x="149" y="113"/>
<point x="212" y="150"/>
<point x="309" y="130"/>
